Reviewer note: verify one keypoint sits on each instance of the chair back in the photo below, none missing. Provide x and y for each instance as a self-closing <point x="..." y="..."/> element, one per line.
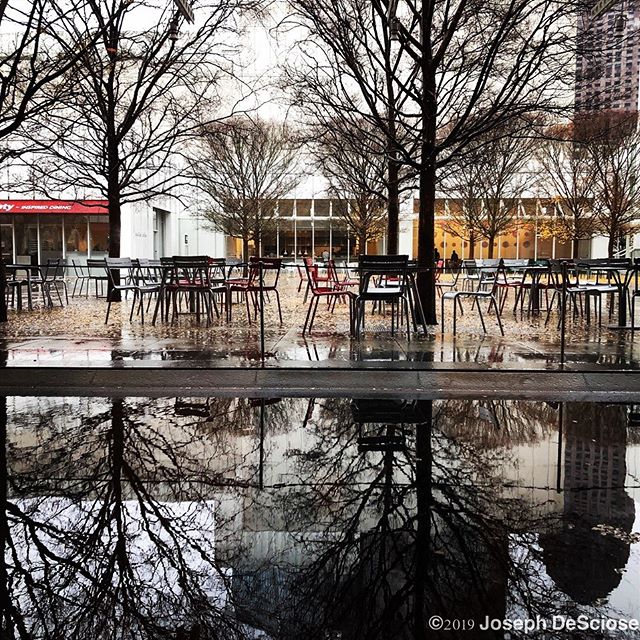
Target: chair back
<point x="78" y="269"/>
<point x="311" y="271"/>
<point x="217" y="270"/>
<point x="270" y="272"/>
<point x="50" y="270"/>
<point x="383" y="269"/>
<point x="192" y="271"/>
<point x="113" y="265"/>
<point x="470" y="267"/>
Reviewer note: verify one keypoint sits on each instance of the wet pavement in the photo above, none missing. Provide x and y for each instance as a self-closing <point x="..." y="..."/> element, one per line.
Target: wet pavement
<point x="77" y="336"/>
<point x="290" y="518"/>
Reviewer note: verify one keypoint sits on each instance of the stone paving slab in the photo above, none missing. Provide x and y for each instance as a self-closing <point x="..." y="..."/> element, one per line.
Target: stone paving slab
<point x="325" y="382"/>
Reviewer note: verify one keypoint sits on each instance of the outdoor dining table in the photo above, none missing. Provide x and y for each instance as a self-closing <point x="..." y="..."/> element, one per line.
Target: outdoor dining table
<point x="535" y="274"/>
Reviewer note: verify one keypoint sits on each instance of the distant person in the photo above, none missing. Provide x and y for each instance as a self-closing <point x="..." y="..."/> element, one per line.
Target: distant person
<point x="436" y="255"/>
<point x="454" y="260"/>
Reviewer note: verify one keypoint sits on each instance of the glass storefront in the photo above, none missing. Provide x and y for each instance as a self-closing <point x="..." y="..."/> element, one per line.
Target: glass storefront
<point x="26" y="237"/>
<point x="50" y="238"/>
<point x="36" y="238"/>
<point x="6" y="238"/>
<point x="76" y="238"/>
<point x="99" y="236"/>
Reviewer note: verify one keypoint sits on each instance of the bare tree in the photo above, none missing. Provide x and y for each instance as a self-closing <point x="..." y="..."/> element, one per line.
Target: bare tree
<point x="139" y="95"/>
<point x="357" y="177"/>
<point x="33" y="58"/>
<point x="613" y="143"/>
<point x="489" y="180"/>
<point x="245" y="165"/>
<point x="458" y="71"/>
<point x="569" y="173"/>
<point x="347" y="83"/>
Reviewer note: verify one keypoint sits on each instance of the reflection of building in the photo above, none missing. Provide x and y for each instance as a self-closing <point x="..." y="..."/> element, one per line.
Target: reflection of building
<point x="582" y="561"/>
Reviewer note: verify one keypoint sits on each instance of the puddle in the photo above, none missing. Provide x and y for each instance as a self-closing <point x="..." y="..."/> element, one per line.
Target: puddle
<point x="319" y="518"/>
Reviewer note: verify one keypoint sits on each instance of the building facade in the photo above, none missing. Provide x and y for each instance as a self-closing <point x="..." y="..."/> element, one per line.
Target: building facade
<point x="608" y="63"/>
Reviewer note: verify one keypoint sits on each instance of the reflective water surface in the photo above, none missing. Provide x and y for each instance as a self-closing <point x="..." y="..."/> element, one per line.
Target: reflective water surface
<point x="287" y="518"/>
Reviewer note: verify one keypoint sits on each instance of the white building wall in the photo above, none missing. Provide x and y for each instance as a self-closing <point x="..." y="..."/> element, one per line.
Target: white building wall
<point x="136" y="233"/>
<point x="599" y="247"/>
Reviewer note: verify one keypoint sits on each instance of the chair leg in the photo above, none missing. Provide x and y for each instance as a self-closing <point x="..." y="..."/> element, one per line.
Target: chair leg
<point x="306" y="320"/>
<point x="442" y="313"/>
<point x="484" y="327"/>
<point x="133" y="305"/>
<point x="106" y="320"/>
<point x="495" y="304"/>
<point x="455" y="317"/>
<point x="278" y="303"/>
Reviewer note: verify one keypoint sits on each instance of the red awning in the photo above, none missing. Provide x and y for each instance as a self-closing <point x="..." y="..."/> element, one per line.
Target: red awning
<point x="82" y="207"/>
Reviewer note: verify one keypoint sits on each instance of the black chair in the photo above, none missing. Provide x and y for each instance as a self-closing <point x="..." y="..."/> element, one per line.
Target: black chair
<point x="486" y="289"/>
<point x="124" y="267"/>
<point x="190" y="283"/>
<point x="82" y="277"/>
<point x="383" y="280"/>
<point x="218" y="282"/>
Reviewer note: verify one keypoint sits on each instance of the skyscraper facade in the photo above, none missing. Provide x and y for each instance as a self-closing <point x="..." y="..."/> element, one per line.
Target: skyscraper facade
<point x="608" y="62"/>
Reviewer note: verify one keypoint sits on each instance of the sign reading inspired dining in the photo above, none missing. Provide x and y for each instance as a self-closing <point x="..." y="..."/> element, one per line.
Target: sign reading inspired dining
<point x="71" y="207"/>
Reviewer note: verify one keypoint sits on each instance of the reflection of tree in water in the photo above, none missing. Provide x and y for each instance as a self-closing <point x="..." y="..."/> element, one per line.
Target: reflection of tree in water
<point x="362" y="530"/>
<point x="490" y="424"/>
<point x="391" y="537"/>
<point x="121" y="543"/>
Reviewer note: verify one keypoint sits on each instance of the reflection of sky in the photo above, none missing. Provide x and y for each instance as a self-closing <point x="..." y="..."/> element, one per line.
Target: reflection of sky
<point x="625" y="597"/>
<point x="621" y="603"/>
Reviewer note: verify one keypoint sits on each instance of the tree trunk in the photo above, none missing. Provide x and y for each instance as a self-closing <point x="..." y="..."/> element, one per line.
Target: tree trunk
<point x="393" y="206"/>
<point x="427" y="185"/>
<point x="472" y="245"/>
<point x="113" y="198"/>
<point x="490" y="249"/>
<point x="3" y="286"/>
<point x="362" y="244"/>
<point x="115" y="214"/>
<point x="611" y="245"/>
<point x="575" y="247"/>
<point x="245" y="253"/>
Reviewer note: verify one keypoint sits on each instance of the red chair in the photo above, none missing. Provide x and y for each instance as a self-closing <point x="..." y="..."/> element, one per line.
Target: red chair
<point x="329" y="293"/>
<point x="254" y="287"/>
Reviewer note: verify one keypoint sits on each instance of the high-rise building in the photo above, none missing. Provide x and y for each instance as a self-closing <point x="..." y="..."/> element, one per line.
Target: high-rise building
<point x="608" y="62"/>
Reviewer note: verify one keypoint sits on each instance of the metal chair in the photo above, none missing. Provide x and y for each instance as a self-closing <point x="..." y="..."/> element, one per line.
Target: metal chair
<point x="81" y="277"/>
<point x="330" y="293"/>
<point x="257" y="285"/>
<point x="383" y="280"/>
<point x="486" y="276"/>
<point x="119" y="265"/>
<point x="191" y="281"/>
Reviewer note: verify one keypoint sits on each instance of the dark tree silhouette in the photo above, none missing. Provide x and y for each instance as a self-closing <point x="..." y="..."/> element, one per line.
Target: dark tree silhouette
<point x="138" y="95"/>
